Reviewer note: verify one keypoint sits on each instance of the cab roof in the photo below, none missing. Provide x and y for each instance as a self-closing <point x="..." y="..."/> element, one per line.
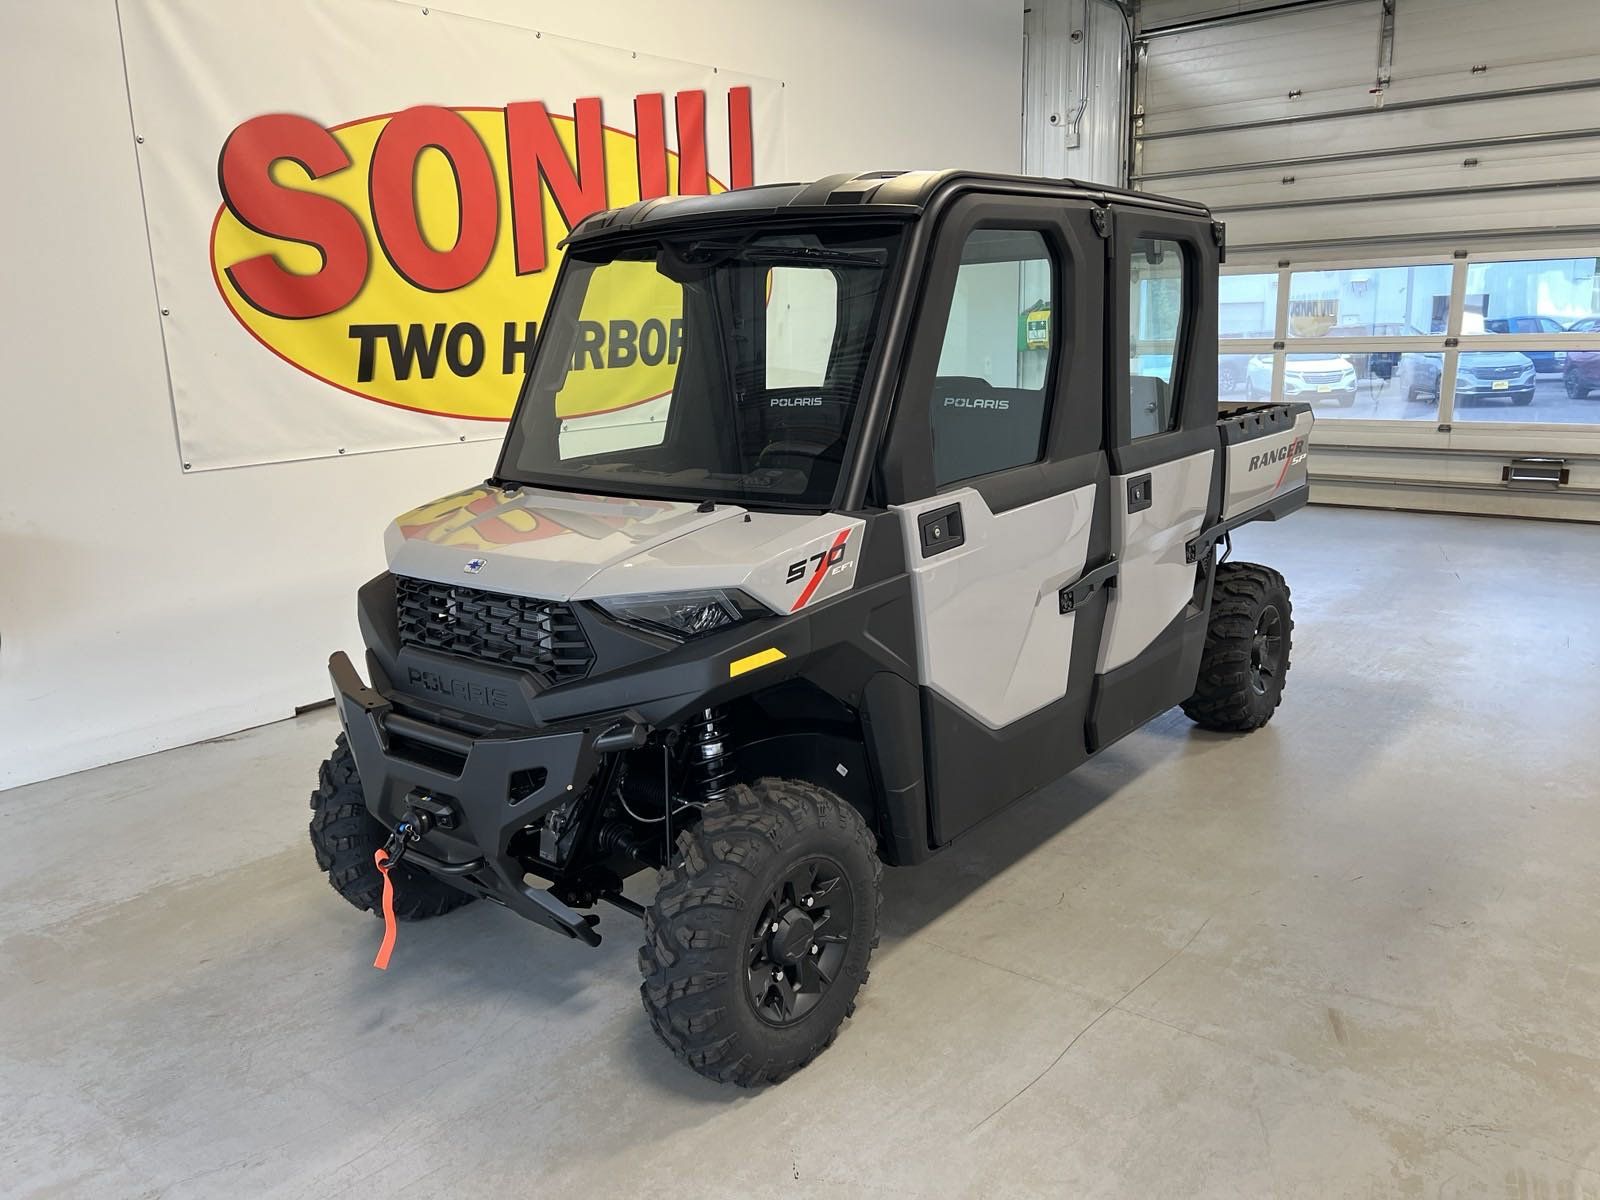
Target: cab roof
<point x="883" y="193"/>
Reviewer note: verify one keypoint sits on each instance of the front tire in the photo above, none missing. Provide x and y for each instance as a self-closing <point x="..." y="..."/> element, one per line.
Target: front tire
<point x="345" y="836"/>
<point x="759" y="936"/>
<point x="1246" y="656"/>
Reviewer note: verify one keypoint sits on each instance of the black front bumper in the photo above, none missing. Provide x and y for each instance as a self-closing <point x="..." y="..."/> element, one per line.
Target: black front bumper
<point x="399" y="756"/>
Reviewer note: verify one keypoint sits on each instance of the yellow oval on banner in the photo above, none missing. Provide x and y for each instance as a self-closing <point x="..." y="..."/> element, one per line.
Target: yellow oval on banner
<point x="456" y="351"/>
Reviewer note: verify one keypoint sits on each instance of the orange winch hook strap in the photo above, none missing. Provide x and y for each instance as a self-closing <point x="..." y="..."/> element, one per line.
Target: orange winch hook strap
<point x="389" y="926"/>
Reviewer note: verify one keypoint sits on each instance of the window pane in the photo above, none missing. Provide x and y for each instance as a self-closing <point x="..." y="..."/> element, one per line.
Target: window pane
<point x="1375" y="385"/>
<point x="1370" y="301"/>
<point x="1511" y="385"/>
<point x="989" y="404"/>
<point x="1155" y="318"/>
<point x="1531" y="296"/>
<point x="1231" y="372"/>
<point x="802" y="314"/>
<point x="1247" y="306"/>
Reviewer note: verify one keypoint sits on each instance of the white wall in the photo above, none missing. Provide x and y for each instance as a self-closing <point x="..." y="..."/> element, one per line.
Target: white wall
<point x="142" y="608"/>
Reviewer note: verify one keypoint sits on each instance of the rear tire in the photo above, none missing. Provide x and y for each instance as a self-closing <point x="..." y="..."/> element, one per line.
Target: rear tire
<point x="1246" y="656"/>
<point x="345" y="836"/>
<point x="1575" y="390"/>
<point x="759" y="936"/>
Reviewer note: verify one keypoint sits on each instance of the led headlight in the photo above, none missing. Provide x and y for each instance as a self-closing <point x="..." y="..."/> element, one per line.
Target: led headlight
<point x="684" y="614"/>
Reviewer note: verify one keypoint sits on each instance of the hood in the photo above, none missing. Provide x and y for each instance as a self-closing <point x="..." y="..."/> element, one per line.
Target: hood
<point x="531" y="542"/>
<point x="563" y="546"/>
<point x="1471" y="359"/>
<point x="1299" y="363"/>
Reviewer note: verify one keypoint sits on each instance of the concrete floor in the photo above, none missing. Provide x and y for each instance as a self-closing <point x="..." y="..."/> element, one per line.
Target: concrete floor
<point x="1354" y="954"/>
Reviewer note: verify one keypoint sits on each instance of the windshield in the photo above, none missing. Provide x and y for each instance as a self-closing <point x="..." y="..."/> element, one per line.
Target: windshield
<point x="723" y="365"/>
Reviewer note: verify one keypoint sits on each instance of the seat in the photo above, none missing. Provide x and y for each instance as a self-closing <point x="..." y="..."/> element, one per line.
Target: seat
<point x="979" y="428"/>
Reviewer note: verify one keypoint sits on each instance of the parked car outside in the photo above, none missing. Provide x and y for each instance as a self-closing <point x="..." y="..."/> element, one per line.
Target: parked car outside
<point x="1582" y="373"/>
<point x="1371" y="362"/>
<point x="1311" y="377"/>
<point x="1546" y="362"/>
<point x="1490" y="374"/>
<point x="1231" y="370"/>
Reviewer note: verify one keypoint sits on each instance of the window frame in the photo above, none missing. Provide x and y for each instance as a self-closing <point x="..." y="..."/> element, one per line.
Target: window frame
<point x="1194" y="379"/>
<point x="1047" y="387"/>
<point x="1187" y="298"/>
<point x="904" y="470"/>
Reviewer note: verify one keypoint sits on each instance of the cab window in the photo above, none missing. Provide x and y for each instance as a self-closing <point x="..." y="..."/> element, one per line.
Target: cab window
<point x="1155" y="320"/>
<point x="990" y="405"/>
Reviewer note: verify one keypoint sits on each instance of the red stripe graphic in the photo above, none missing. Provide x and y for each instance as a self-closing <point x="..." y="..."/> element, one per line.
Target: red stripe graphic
<point x="822" y="568"/>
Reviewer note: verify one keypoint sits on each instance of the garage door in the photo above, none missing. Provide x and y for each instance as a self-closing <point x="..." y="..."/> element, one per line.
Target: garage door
<point x="1412" y="195"/>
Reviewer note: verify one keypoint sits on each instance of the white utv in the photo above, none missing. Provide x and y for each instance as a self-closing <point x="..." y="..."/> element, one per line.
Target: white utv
<point x="832" y="519"/>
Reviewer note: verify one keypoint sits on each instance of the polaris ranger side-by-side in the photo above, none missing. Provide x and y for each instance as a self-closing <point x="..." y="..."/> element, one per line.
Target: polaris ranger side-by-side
<point x="832" y="519"/>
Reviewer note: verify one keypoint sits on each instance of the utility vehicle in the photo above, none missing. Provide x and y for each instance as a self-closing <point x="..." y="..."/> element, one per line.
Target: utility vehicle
<point x="832" y="519"/>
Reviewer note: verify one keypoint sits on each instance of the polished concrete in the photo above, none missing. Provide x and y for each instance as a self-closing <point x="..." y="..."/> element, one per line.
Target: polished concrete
<point x="1354" y="954"/>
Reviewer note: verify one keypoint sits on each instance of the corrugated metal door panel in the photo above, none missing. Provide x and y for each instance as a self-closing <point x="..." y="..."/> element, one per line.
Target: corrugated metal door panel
<point x="1447" y="37"/>
<point x="1245" y="200"/>
<point x="1381" y="130"/>
<point x="1155" y="14"/>
<point x="1248" y="71"/>
<point x="1422" y="222"/>
<point x="1417" y="157"/>
<point x="1347" y="175"/>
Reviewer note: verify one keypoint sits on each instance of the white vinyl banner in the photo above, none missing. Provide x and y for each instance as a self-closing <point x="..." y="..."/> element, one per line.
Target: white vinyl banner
<point x="355" y="206"/>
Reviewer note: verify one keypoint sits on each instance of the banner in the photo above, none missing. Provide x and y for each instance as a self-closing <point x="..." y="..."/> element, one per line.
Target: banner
<point x="354" y="210"/>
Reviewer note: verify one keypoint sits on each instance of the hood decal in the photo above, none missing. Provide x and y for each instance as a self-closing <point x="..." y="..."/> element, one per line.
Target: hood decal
<point x="484" y="518"/>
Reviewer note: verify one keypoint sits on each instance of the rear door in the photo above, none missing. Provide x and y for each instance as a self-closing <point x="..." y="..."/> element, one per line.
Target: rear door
<point x="995" y="464"/>
<point x="1161" y="439"/>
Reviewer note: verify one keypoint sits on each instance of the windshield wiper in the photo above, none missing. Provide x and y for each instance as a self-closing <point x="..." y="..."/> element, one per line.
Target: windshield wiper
<point x="726" y="251"/>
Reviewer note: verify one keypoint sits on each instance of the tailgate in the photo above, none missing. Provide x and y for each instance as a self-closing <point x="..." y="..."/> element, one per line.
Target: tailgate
<point x="1264" y="455"/>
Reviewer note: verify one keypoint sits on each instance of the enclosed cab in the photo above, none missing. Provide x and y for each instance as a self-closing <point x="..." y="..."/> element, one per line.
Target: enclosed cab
<point x="832" y="519"/>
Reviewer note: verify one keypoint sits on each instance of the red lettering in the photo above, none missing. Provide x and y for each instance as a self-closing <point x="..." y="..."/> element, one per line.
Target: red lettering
<point x="394" y="198"/>
<point x="741" y="138"/>
<point x="692" y="177"/>
<point x="650" y="144"/>
<point x="244" y="173"/>
<point x="537" y="157"/>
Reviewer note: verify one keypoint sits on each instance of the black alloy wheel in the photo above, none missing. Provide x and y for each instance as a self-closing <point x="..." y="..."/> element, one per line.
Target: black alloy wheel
<point x="800" y="941"/>
<point x="1266" y="650"/>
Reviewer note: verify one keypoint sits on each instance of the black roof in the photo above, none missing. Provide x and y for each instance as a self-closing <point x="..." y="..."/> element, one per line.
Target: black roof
<point x="884" y="193"/>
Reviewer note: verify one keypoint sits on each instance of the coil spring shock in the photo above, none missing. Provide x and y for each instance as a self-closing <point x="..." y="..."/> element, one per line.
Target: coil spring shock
<point x="708" y="761"/>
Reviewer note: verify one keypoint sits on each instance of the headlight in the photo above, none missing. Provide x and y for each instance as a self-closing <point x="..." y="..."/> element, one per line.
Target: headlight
<point x="684" y="614"/>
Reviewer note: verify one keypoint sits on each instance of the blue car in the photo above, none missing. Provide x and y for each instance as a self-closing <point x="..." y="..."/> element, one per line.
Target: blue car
<point x="1545" y="362"/>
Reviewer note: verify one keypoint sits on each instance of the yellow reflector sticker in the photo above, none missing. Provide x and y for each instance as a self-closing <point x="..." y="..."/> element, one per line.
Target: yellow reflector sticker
<point x="750" y="662"/>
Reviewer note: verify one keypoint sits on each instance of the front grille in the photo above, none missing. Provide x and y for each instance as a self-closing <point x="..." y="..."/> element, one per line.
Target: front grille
<point x="542" y="636"/>
<point x="1322" y="376"/>
<point x="1496" y="372"/>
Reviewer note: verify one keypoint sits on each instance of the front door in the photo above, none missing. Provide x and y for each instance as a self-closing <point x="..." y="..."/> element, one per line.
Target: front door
<point x="995" y="464"/>
<point x="1161" y="438"/>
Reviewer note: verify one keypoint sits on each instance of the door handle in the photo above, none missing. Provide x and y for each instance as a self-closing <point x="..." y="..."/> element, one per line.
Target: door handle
<point x="1140" y="493"/>
<point x="940" y="530"/>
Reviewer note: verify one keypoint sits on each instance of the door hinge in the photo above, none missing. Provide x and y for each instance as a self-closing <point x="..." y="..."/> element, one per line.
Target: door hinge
<point x="1103" y="576"/>
<point x="1219" y="235"/>
<point x="1100" y="218"/>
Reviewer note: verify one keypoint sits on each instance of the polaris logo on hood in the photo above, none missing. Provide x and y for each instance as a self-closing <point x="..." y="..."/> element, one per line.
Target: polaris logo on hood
<point x="1294" y="451"/>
